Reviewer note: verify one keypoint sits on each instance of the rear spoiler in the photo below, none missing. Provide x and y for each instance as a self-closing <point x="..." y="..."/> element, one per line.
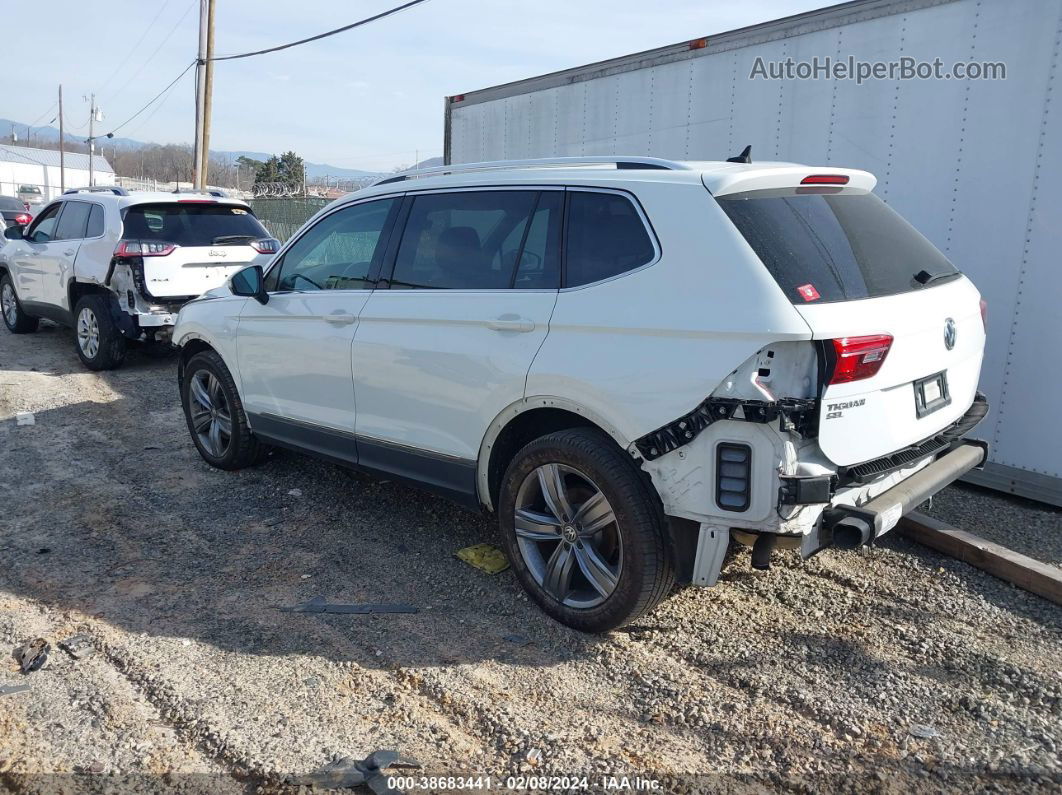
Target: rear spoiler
<point x="765" y="176"/>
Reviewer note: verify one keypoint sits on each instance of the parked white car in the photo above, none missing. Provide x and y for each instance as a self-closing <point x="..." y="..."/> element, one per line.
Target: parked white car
<point x="118" y="266"/>
<point x="631" y="362"/>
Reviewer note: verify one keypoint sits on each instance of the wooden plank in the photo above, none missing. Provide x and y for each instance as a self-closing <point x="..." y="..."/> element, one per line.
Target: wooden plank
<point x="1027" y="573"/>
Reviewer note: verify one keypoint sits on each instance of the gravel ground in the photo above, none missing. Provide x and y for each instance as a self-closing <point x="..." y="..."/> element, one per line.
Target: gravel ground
<point x="895" y="670"/>
<point x="1031" y="528"/>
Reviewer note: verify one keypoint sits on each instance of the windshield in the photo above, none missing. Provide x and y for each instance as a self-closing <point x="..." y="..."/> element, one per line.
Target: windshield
<point x="833" y="244"/>
<point x="188" y="224"/>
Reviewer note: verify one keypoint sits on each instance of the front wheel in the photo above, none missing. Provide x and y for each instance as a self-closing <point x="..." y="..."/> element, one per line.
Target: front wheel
<point x="16" y="320"/>
<point x="215" y="416"/>
<point x="584" y="532"/>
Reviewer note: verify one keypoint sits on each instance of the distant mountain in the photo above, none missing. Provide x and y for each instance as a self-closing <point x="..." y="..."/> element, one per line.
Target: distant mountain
<point x="51" y="134"/>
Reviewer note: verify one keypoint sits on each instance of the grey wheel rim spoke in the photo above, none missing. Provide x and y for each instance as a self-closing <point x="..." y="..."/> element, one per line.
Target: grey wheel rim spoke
<point x="209" y="412"/>
<point x="537" y="526"/>
<point x="568" y="536"/>
<point x="598" y="573"/>
<point x="550" y="478"/>
<point x="558" y="581"/>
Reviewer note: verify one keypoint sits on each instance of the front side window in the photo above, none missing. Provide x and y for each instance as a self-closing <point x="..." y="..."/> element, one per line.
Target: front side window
<point x="72" y="223"/>
<point x="606" y="237"/>
<point x="479" y="240"/>
<point x="339" y="252"/>
<point x="43" y="228"/>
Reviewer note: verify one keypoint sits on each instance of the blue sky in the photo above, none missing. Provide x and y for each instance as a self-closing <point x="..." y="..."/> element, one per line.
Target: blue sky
<point x="369" y="98"/>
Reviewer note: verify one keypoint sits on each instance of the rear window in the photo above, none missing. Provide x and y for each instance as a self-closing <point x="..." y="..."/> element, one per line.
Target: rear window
<point x="187" y="224"/>
<point x="830" y="244"/>
<point x="10" y="204"/>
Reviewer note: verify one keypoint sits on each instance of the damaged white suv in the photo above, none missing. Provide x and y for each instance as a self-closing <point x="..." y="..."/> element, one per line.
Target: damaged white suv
<point x="117" y="266"/>
<point x="633" y="363"/>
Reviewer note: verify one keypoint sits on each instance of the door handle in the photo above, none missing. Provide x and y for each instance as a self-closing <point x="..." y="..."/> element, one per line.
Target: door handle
<point x="340" y="318"/>
<point x="34" y="253"/>
<point x="511" y="323"/>
<point x="69" y="252"/>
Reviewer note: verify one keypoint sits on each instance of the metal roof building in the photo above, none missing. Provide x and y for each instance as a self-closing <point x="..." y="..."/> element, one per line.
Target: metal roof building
<point x="24" y="165"/>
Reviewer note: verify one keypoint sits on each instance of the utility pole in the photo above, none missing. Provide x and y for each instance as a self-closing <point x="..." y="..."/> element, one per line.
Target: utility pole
<point x="208" y="98"/>
<point x="200" y="95"/>
<point x="62" y="156"/>
<point x="91" y="139"/>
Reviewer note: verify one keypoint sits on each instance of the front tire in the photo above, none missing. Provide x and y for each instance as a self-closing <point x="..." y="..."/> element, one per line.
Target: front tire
<point x="584" y="532"/>
<point x="100" y="344"/>
<point x="215" y="416"/>
<point x="15" y="318"/>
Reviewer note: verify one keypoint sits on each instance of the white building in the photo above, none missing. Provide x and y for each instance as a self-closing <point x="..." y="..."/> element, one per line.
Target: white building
<point x="23" y="165"/>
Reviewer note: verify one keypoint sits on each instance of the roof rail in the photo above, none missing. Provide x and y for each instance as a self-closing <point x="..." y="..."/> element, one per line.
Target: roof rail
<point x="548" y="162"/>
<point x="115" y="189"/>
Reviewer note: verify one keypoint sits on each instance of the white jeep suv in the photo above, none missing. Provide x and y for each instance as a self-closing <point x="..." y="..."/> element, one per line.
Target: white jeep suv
<point x="117" y="266"/>
<point x="631" y="362"/>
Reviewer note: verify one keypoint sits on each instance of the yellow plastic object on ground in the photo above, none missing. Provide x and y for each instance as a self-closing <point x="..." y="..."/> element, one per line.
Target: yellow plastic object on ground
<point x="486" y="557"/>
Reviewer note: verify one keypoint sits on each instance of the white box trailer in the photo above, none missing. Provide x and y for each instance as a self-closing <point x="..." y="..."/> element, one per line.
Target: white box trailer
<point x="976" y="165"/>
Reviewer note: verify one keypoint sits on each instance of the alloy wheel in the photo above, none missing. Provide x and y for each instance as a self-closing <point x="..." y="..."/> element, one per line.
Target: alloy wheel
<point x="568" y="536"/>
<point x="9" y="305"/>
<point x="88" y="333"/>
<point x="210" y="413"/>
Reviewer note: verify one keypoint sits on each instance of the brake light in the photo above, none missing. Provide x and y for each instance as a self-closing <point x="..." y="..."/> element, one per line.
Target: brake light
<point x="984" y="314"/>
<point x="143" y="248"/>
<point x="266" y="245"/>
<point x="825" y="179"/>
<point x="859" y="357"/>
<point x="23" y="219"/>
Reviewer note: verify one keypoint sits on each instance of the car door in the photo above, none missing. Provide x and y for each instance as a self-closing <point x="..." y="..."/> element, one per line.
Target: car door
<point x="447" y="346"/>
<point x="29" y="255"/>
<point x="294" y="352"/>
<point x="57" y="265"/>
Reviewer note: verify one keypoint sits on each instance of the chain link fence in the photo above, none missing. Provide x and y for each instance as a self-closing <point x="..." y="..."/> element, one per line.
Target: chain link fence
<point x="283" y="217"/>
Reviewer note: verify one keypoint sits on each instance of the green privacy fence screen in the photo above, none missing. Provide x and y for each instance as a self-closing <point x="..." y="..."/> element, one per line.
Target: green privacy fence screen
<point x="283" y="217"/>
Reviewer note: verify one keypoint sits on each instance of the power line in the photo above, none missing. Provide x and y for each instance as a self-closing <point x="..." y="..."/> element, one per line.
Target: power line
<point x="155" y="52"/>
<point x="151" y="101"/>
<point x="359" y="23"/>
<point x="131" y="50"/>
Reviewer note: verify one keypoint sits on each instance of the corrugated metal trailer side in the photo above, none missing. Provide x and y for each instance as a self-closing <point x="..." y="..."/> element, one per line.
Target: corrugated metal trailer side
<point x="976" y="165"/>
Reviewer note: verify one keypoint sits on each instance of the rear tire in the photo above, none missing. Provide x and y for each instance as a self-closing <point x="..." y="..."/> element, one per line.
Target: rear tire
<point x="591" y="548"/>
<point x="214" y="414"/>
<point x="100" y="344"/>
<point x="15" y="318"/>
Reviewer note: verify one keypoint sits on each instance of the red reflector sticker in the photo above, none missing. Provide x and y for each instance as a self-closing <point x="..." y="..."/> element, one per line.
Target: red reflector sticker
<point x="808" y="292"/>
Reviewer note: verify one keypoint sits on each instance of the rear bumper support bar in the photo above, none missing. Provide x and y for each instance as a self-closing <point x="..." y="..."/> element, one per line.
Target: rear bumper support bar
<point x="853" y="526"/>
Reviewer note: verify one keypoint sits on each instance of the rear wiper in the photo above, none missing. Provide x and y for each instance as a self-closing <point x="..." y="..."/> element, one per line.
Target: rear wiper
<point x="925" y="278"/>
<point x="229" y="239"/>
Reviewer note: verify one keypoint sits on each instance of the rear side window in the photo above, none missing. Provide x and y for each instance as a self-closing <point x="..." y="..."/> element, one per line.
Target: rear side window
<point x="480" y="240"/>
<point x="829" y="244"/>
<point x="605" y="237"/>
<point x="192" y="224"/>
<point x="95" y="222"/>
<point x="73" y="221"/>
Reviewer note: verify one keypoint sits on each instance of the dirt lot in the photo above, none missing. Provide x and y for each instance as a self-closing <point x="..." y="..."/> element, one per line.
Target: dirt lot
<point x="895" y="670"/>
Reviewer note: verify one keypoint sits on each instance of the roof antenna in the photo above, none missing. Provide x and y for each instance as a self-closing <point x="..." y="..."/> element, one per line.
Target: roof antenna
<point x="744" y="157"/>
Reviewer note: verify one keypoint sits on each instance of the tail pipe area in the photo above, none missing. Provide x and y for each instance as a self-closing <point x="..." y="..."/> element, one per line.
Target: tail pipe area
<point x="855" y="526"/>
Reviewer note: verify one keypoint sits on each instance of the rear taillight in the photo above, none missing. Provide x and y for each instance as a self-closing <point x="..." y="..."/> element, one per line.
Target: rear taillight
<point x="143" y="248"/>
<point x="266" y="245"/>
<point x="859" y="357"/>
<point x="984" y="314"/>
<point x="23" y="219"/>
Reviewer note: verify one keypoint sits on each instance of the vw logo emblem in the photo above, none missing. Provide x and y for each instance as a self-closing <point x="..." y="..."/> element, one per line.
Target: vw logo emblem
<point x="949" y="333"/>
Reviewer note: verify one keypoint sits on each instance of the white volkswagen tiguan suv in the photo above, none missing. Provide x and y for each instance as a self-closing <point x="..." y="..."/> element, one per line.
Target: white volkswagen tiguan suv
<point x="117" y="266"/>
<point x="631" y="362"/>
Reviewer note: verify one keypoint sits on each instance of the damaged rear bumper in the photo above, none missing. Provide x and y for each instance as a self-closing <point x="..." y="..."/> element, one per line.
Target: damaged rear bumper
<point x="852" y="526"/>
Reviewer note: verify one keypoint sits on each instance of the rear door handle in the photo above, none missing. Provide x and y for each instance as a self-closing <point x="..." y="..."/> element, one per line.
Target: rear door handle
<point x="511" y="323"/>
<point x="69" y="252"/>
<point x="340" y="318"/>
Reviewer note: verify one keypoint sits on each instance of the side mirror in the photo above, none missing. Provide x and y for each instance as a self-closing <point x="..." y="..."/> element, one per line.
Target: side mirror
<point x="14" y="232"/>
<point x="250" y="282"/>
